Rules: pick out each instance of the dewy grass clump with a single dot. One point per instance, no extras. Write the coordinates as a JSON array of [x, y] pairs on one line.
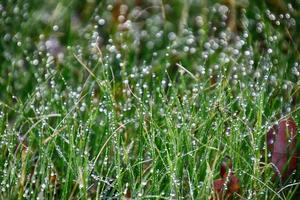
[[147, 99]]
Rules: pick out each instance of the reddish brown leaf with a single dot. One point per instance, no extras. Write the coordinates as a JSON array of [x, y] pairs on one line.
[[234, 184], [228, 184], [219, 184], [281, 143]]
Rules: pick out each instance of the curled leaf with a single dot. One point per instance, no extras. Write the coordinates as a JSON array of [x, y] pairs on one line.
[[228, 184], [281, 143]]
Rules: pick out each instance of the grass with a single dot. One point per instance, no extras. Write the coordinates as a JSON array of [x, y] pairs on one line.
[[144, 99]]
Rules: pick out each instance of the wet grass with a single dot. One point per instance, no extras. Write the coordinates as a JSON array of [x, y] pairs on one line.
[[144, 99]]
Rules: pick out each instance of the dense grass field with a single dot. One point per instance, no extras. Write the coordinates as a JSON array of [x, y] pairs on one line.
[[143, 99]]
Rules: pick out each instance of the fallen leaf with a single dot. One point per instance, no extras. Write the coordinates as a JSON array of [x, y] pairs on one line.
[[228, 184], [282, 144]]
